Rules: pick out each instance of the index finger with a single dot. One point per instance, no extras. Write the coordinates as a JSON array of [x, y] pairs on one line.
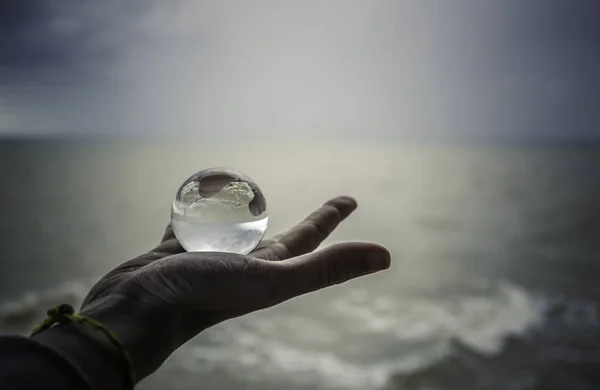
[[169, 234], [310, 233]]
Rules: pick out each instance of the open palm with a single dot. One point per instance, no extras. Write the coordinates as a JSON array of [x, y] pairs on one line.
[[171, 295]]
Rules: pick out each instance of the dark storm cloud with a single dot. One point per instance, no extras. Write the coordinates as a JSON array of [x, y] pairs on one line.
[[60, 36], [26, 37], [55, 59]]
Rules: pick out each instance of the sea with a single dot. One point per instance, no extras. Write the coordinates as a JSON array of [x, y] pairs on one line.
[[494, 283]]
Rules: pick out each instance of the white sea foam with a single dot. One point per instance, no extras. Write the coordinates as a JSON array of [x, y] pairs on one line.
[[480, 321], [252, 357], [317, 353]]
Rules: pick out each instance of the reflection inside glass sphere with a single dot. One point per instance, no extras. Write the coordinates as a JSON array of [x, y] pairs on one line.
[[220, 210]]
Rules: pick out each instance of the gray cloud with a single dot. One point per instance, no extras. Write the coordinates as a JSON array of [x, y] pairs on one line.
[[59, 36], [311, 68]]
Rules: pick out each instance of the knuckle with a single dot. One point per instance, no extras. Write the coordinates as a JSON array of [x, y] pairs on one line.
[[311, 234], [325, 220], [250, 267], [283, 250], [333, 213], [308, 228]]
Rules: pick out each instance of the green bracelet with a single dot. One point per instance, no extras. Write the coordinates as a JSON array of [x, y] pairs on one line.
[[63, 314]]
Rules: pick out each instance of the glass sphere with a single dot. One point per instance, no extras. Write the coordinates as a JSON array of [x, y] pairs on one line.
[[219, 210]]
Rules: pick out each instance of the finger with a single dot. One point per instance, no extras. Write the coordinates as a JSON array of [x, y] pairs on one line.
[[310, 233], [169, 233], [168, 247], [169, 244], [327, 267]]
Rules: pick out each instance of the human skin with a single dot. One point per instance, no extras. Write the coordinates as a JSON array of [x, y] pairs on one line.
[[158, 301]]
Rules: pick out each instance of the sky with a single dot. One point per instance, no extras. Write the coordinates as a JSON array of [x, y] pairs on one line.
[[282, 68]]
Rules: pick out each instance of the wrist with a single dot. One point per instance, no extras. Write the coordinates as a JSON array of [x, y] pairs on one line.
[[144, 333], [89, 351]]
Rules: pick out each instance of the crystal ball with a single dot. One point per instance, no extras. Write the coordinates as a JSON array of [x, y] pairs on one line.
[[219, 210]]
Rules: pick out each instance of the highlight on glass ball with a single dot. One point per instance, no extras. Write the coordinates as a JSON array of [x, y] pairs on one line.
[[219, 210]]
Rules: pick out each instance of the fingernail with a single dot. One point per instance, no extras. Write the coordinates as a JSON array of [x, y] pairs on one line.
[[379, 260]]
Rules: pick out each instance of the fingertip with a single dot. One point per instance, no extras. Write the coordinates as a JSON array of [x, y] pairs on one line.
[[379, 259], [345, 204], [357, 247], [373, 257]]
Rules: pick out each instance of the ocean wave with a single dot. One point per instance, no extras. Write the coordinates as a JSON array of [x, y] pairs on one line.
[[564, 353], [481, 321], [251, 357], [365, 340], [375, 342]]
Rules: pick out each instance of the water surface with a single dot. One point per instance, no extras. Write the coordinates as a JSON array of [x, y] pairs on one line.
[[494, 283]]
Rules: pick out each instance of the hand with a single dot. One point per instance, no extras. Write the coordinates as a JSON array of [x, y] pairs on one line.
[[160, 300]]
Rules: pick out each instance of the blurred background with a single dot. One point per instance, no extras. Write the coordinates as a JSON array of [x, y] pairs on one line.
[[468, 132]]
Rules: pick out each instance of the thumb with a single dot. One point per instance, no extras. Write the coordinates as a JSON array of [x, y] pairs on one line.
[[327, 267]]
